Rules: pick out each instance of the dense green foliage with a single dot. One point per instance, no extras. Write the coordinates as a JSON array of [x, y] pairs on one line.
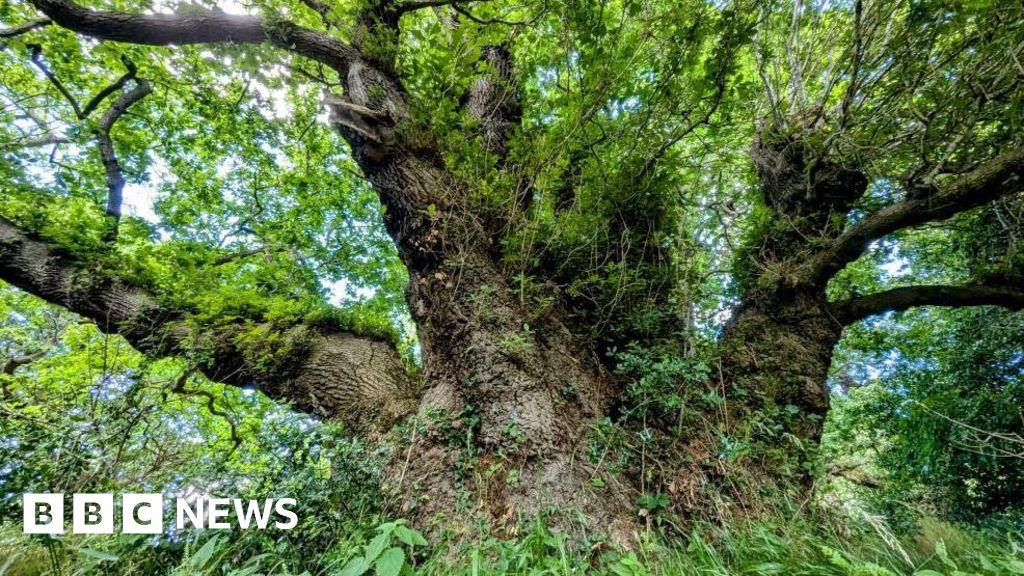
[[942, 416], [245, 206]]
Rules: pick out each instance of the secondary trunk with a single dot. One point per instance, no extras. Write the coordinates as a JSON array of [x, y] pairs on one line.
[[777, 348]]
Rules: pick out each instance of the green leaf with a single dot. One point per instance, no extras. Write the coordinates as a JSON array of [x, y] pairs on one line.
[[410, 536], [390, 562], [200, 558], [98, 554], [355, 567], [943, 554], [1013, 566], [377, 545], [7, 564]]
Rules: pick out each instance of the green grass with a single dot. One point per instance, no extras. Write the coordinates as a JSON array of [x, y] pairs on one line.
[[815, 545]]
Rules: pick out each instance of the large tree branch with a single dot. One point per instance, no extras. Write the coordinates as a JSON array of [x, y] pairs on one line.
[[326, 372], [895, 299], [200, 27], [1001, 176], [36, 141]]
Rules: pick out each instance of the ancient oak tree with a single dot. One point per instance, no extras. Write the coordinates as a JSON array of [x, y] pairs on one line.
[[558, 183]]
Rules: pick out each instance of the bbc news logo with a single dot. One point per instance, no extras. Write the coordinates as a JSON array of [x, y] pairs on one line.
[[144, 513]]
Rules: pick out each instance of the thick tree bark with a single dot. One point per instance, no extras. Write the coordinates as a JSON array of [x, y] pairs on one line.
[[508, 401], [328, 373], [778, 345], [493, 100]]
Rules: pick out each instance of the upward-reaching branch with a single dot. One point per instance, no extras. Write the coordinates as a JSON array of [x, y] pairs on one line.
[[111, 89], [200, 27], [37, 59], [111, 165], [1001, 176]]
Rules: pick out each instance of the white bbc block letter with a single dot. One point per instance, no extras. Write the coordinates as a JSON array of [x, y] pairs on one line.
[[42, 513], [142, 513], [219, 508], [92, 514], [184, 510], [282, 509]]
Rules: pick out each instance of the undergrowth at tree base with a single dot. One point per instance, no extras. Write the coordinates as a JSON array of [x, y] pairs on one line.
[[815, 542]]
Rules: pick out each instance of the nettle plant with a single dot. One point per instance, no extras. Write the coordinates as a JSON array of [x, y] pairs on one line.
[[391, 552]]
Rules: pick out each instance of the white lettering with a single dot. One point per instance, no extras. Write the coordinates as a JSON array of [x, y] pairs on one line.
[[285, 512], [245, 515]]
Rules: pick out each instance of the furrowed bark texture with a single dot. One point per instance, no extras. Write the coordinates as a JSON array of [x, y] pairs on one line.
[[778, 345], [330, 374], [493, 100], [506, 406]]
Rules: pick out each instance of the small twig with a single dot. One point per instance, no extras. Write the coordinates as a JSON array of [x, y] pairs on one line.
[[36, 141], [37, 59], [983, 438], [179, 387], [16, 362], [408, 457], [24, 28]]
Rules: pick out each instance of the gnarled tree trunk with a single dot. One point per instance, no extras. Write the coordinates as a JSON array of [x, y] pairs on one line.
[[507, 402], [778, 345], [506, 406]]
